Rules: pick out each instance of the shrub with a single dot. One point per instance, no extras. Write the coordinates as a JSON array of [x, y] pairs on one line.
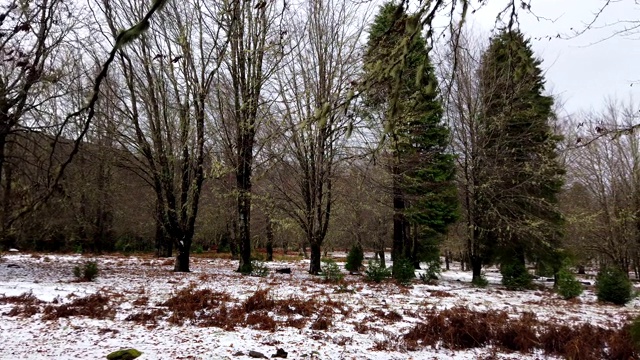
[[198, 249], [568, 286], [354, 258], [515, 276], [481, 281], [376, 272], [331, 271], [432, 272], [258, 268], [403, 271], [88, 271], [613, 285]]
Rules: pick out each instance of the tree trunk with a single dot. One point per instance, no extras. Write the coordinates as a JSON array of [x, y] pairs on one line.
[[476, 268], [6, 237], [182, 260], [316, 253], [447, 258], [399, 227], [269, 239], [381, 257], [244, 211]]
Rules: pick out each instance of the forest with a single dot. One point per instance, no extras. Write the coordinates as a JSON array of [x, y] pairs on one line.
[[261, 126], [322, 179]]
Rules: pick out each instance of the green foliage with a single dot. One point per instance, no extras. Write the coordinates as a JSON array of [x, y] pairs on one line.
[[87, 272], [128, 244], [376, 272], [568, 286], [613, 285], [331, 271], [519, 166], [544, 269], [480, 281], [198, 249], [246, 268], [403, 92], [355, 257], [403, 271], [432, 272], [515, 276], [259, 268]]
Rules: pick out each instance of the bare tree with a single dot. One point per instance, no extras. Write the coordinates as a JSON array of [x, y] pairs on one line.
[[604, 213], [459, 71], [166, 80], [256, 33], [39, 61], [314, 87]]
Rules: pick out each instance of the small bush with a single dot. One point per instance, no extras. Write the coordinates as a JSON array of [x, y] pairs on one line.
[[568, 286], [432, 272], [88, 271], [613, 285], [355, 258], [515, 276], [480, 282], [403, 271], [331, 271], [198, 249], [258, 268], [376, 272]]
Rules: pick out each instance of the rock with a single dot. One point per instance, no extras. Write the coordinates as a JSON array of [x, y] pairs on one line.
[[238, 353], [258, 355], [280, 353], [125, 354], [284, 271], [13, 250], [15, 266]]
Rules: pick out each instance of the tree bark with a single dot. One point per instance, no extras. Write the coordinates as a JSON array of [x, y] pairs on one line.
[[381, 257], [399, 227], [182, 260], [269, 239], [447, 258], [316, 253], [476, 267]]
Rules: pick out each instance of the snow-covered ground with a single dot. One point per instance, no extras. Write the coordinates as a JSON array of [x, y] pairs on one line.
[[366, 320]]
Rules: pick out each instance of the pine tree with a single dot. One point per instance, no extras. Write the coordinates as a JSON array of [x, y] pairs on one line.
[[520, 173], [402, 88]]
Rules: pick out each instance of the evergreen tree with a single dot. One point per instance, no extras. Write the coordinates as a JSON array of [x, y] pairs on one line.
[[402, 89], [520, 175]]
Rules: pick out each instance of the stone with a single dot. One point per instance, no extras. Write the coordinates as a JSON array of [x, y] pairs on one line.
[[125, 354], [15, 266], [257, 355], [284, 271], [13, 250], [280, 353]]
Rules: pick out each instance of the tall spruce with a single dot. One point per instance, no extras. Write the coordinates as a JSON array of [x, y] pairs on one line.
[[520, 174], [402, 91]]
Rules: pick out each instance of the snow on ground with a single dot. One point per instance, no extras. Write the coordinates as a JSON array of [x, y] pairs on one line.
[[50, 279]]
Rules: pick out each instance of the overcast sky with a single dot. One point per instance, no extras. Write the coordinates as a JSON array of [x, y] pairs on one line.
[[583, 70]]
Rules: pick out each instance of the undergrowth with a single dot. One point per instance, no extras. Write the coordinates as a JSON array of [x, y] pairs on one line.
[[460, 328]]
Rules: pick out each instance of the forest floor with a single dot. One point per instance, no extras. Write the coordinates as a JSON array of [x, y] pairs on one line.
[[216, 313]]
